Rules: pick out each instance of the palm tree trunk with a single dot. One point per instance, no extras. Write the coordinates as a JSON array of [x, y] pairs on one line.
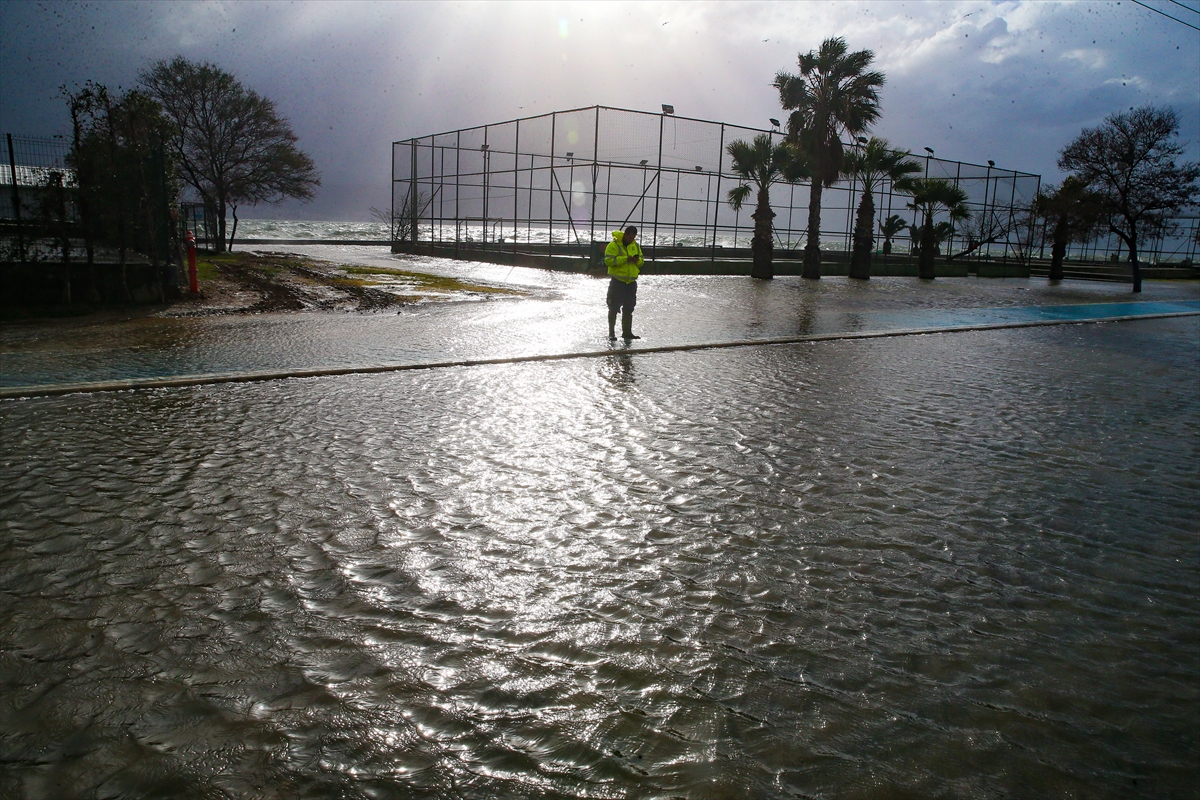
[[812, 248], [864, 240], [761, 245], [925, 261]]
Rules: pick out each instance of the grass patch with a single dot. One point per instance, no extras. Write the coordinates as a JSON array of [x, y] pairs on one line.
[[431, 282], [206, 270]]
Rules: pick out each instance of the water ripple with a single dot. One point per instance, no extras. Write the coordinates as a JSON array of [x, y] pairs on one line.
[[957, 565]]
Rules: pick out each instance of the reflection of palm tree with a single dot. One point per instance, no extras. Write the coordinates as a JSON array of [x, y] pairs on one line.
[[931, 196], [833, 95], [762, 163], [874, 164], [890, 228]]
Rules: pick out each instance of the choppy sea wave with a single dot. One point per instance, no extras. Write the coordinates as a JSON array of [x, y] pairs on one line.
[[377, 231], [310, 229]]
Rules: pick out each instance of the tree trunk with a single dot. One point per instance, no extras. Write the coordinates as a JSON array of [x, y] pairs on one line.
[[925, 261], [1135, 267], [762, 245], [812, 249], [864, 239], [887, 247], [1059, 249], [219, 245], [1130, 241], [234, 232]]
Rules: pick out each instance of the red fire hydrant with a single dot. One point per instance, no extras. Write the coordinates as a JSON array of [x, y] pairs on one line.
[[193, 276]]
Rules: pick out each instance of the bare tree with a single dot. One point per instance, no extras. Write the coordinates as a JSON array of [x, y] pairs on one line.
[[1130, 162], [232, 146]]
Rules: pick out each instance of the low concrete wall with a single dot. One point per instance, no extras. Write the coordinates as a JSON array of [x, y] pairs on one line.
[[726, 264], [1009, 270], [78, 283]]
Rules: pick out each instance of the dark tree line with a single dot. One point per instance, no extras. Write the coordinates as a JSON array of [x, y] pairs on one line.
[[134, 153], [125, 185], [1126, 176]]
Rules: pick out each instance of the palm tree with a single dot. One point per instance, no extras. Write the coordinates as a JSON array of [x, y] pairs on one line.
[[834, 94], [941, 232], [873, 165], [762, 163], [890, 228], [931, 196]]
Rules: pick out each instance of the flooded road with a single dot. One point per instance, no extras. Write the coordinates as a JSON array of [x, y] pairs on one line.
[[945, 565], [563, 313]]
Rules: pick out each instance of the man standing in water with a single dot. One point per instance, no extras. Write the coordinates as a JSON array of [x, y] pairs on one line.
[[623, 257]]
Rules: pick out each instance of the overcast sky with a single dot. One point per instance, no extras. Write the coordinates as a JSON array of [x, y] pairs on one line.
[[1008, 81]]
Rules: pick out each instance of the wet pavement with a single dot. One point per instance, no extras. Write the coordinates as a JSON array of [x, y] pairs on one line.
[[564, 313], [948, 565]]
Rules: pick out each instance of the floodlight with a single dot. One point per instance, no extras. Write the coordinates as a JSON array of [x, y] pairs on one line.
[[699, 169], [991, 163], [484, 148], [570, 155], [929, 150], [774, 122], [668, 109], [644, 161], [862, 139]]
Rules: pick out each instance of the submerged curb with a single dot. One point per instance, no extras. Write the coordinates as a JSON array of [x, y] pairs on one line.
[[19, 392]]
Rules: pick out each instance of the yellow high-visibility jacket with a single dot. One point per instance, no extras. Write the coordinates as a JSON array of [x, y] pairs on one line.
[[622, 261]]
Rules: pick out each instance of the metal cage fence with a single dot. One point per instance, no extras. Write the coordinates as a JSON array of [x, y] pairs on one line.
[[32, 160], [557, 182]]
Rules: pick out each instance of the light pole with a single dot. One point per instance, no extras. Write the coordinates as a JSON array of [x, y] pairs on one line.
[[642, 197], [985, 229], [571, 188], [484, 148]]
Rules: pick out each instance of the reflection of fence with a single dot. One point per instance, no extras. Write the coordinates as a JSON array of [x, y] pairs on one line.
[[201, 220], [553, 184]]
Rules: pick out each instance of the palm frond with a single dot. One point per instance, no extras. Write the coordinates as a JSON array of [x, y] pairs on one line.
[[738, 195]]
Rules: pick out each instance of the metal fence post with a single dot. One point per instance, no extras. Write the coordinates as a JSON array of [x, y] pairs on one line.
[[413, 194], [717, 207], [595, 178], [16, 199], [550, 187], [662, 118], [516, 180]]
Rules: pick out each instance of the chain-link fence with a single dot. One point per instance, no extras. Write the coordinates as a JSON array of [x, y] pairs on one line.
[[101, 235], [36, 185], [555, 183]]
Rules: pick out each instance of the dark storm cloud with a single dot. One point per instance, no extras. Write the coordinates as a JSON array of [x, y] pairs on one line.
[[1008, 81]]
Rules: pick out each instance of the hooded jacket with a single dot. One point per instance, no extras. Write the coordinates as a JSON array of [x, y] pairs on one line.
[[623, 262]]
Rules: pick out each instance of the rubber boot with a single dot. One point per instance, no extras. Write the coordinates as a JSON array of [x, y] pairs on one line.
[[627, 326], [612, 324]]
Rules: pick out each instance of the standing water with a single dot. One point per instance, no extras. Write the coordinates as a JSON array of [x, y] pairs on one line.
[[960, 564]]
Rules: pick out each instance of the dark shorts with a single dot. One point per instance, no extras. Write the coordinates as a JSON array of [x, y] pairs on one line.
[[621, 295]]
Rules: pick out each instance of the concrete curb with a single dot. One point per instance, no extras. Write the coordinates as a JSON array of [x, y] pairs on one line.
[[52, 390]]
